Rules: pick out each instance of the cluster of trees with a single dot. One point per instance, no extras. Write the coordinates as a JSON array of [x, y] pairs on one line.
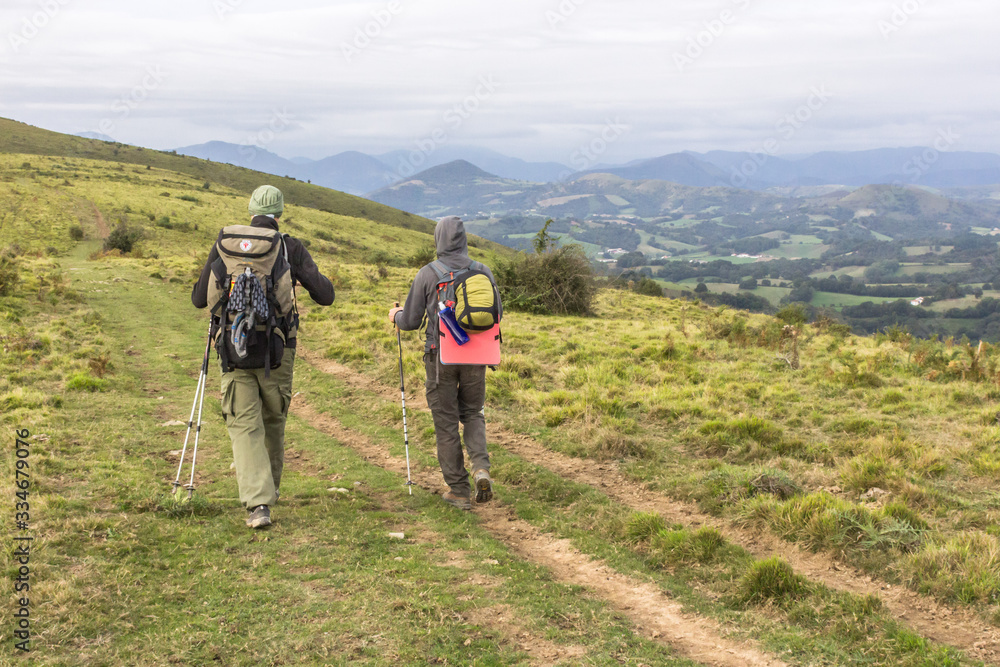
[[755, 245], [980, 322]]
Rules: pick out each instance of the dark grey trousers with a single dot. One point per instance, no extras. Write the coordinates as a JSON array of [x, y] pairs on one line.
[[457, 395]]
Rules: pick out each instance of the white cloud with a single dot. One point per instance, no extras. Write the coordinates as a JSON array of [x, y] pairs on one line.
[[224, 77]]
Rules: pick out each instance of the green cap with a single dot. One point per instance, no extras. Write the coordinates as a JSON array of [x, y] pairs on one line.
[[267, 200]]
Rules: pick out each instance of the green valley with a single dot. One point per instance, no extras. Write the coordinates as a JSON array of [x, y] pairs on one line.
[[677, 483]]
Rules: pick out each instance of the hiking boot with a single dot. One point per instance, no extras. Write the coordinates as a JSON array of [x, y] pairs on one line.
[[461, 502], [484, 486], [260, 517]]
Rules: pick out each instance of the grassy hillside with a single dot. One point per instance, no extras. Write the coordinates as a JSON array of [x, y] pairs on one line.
[[18, 137], [676, 485]]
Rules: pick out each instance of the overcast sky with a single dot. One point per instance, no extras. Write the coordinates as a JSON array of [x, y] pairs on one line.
[[536, 79]]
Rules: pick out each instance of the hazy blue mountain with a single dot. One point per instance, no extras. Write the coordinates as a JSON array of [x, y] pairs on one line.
[[360, 173], [96, 135], [251, 157], [756, 171], [351, 172], [406, 163], [682, 168], [912, 166]]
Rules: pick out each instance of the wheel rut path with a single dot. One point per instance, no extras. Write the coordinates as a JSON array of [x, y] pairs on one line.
[[959, 628], [656, 617]]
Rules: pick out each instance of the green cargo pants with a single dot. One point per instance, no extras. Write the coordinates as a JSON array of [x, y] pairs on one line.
[[255, 409]]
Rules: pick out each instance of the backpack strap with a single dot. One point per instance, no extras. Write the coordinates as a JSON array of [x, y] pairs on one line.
[[441, 269], [272, 302], [445, 274], [291, 321]]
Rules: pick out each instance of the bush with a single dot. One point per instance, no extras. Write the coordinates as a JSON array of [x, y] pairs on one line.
[[10, 272], [123, 237], [649, 287], [681, 546], [794, 315], [76, 233], [380, 258], [84, 381], [643, 525], [771, 579], [421, 257], [555, 282]]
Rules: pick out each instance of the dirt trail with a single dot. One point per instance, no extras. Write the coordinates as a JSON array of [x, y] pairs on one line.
[[88, 212], [958, 628], [656, 617], [102, 226], [542, 652]]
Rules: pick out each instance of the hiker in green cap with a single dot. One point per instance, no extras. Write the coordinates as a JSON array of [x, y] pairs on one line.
[[456, 394], [249, 283]]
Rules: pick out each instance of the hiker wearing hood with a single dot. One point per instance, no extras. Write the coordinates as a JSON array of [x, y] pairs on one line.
[[456, 394], [256, 396]]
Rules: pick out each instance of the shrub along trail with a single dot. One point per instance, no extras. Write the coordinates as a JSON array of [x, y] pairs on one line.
[[954, 627], [655, 616]]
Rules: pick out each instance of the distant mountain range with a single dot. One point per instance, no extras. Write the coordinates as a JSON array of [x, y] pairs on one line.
[[904, 166], [359, 173], [95, 135], [461, 188], [910, 166], [351, 172]]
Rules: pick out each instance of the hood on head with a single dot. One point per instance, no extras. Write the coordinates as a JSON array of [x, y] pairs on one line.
[[449, 236]]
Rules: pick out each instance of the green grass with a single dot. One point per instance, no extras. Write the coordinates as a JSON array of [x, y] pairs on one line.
[[965, 302], [685, 563], [19, 138], [99, 351], [112, 543]]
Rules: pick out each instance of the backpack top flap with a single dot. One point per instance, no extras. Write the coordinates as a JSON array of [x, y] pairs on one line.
[[260, 250], [249, 244]]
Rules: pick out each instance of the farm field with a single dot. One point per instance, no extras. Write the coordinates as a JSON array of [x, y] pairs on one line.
[[676, 484]]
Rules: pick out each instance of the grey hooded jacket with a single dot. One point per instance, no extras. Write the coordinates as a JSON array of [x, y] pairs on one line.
[[452, 250]]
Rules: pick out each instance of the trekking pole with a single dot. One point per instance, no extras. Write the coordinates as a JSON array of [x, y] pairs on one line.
[[199, 398], [402, 393]]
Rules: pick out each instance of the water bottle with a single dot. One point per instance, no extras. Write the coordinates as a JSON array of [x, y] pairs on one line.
[[446, 314]]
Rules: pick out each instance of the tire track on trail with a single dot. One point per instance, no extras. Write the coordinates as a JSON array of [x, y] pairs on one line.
[[542, 652], [655, 616], [958, 628]]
